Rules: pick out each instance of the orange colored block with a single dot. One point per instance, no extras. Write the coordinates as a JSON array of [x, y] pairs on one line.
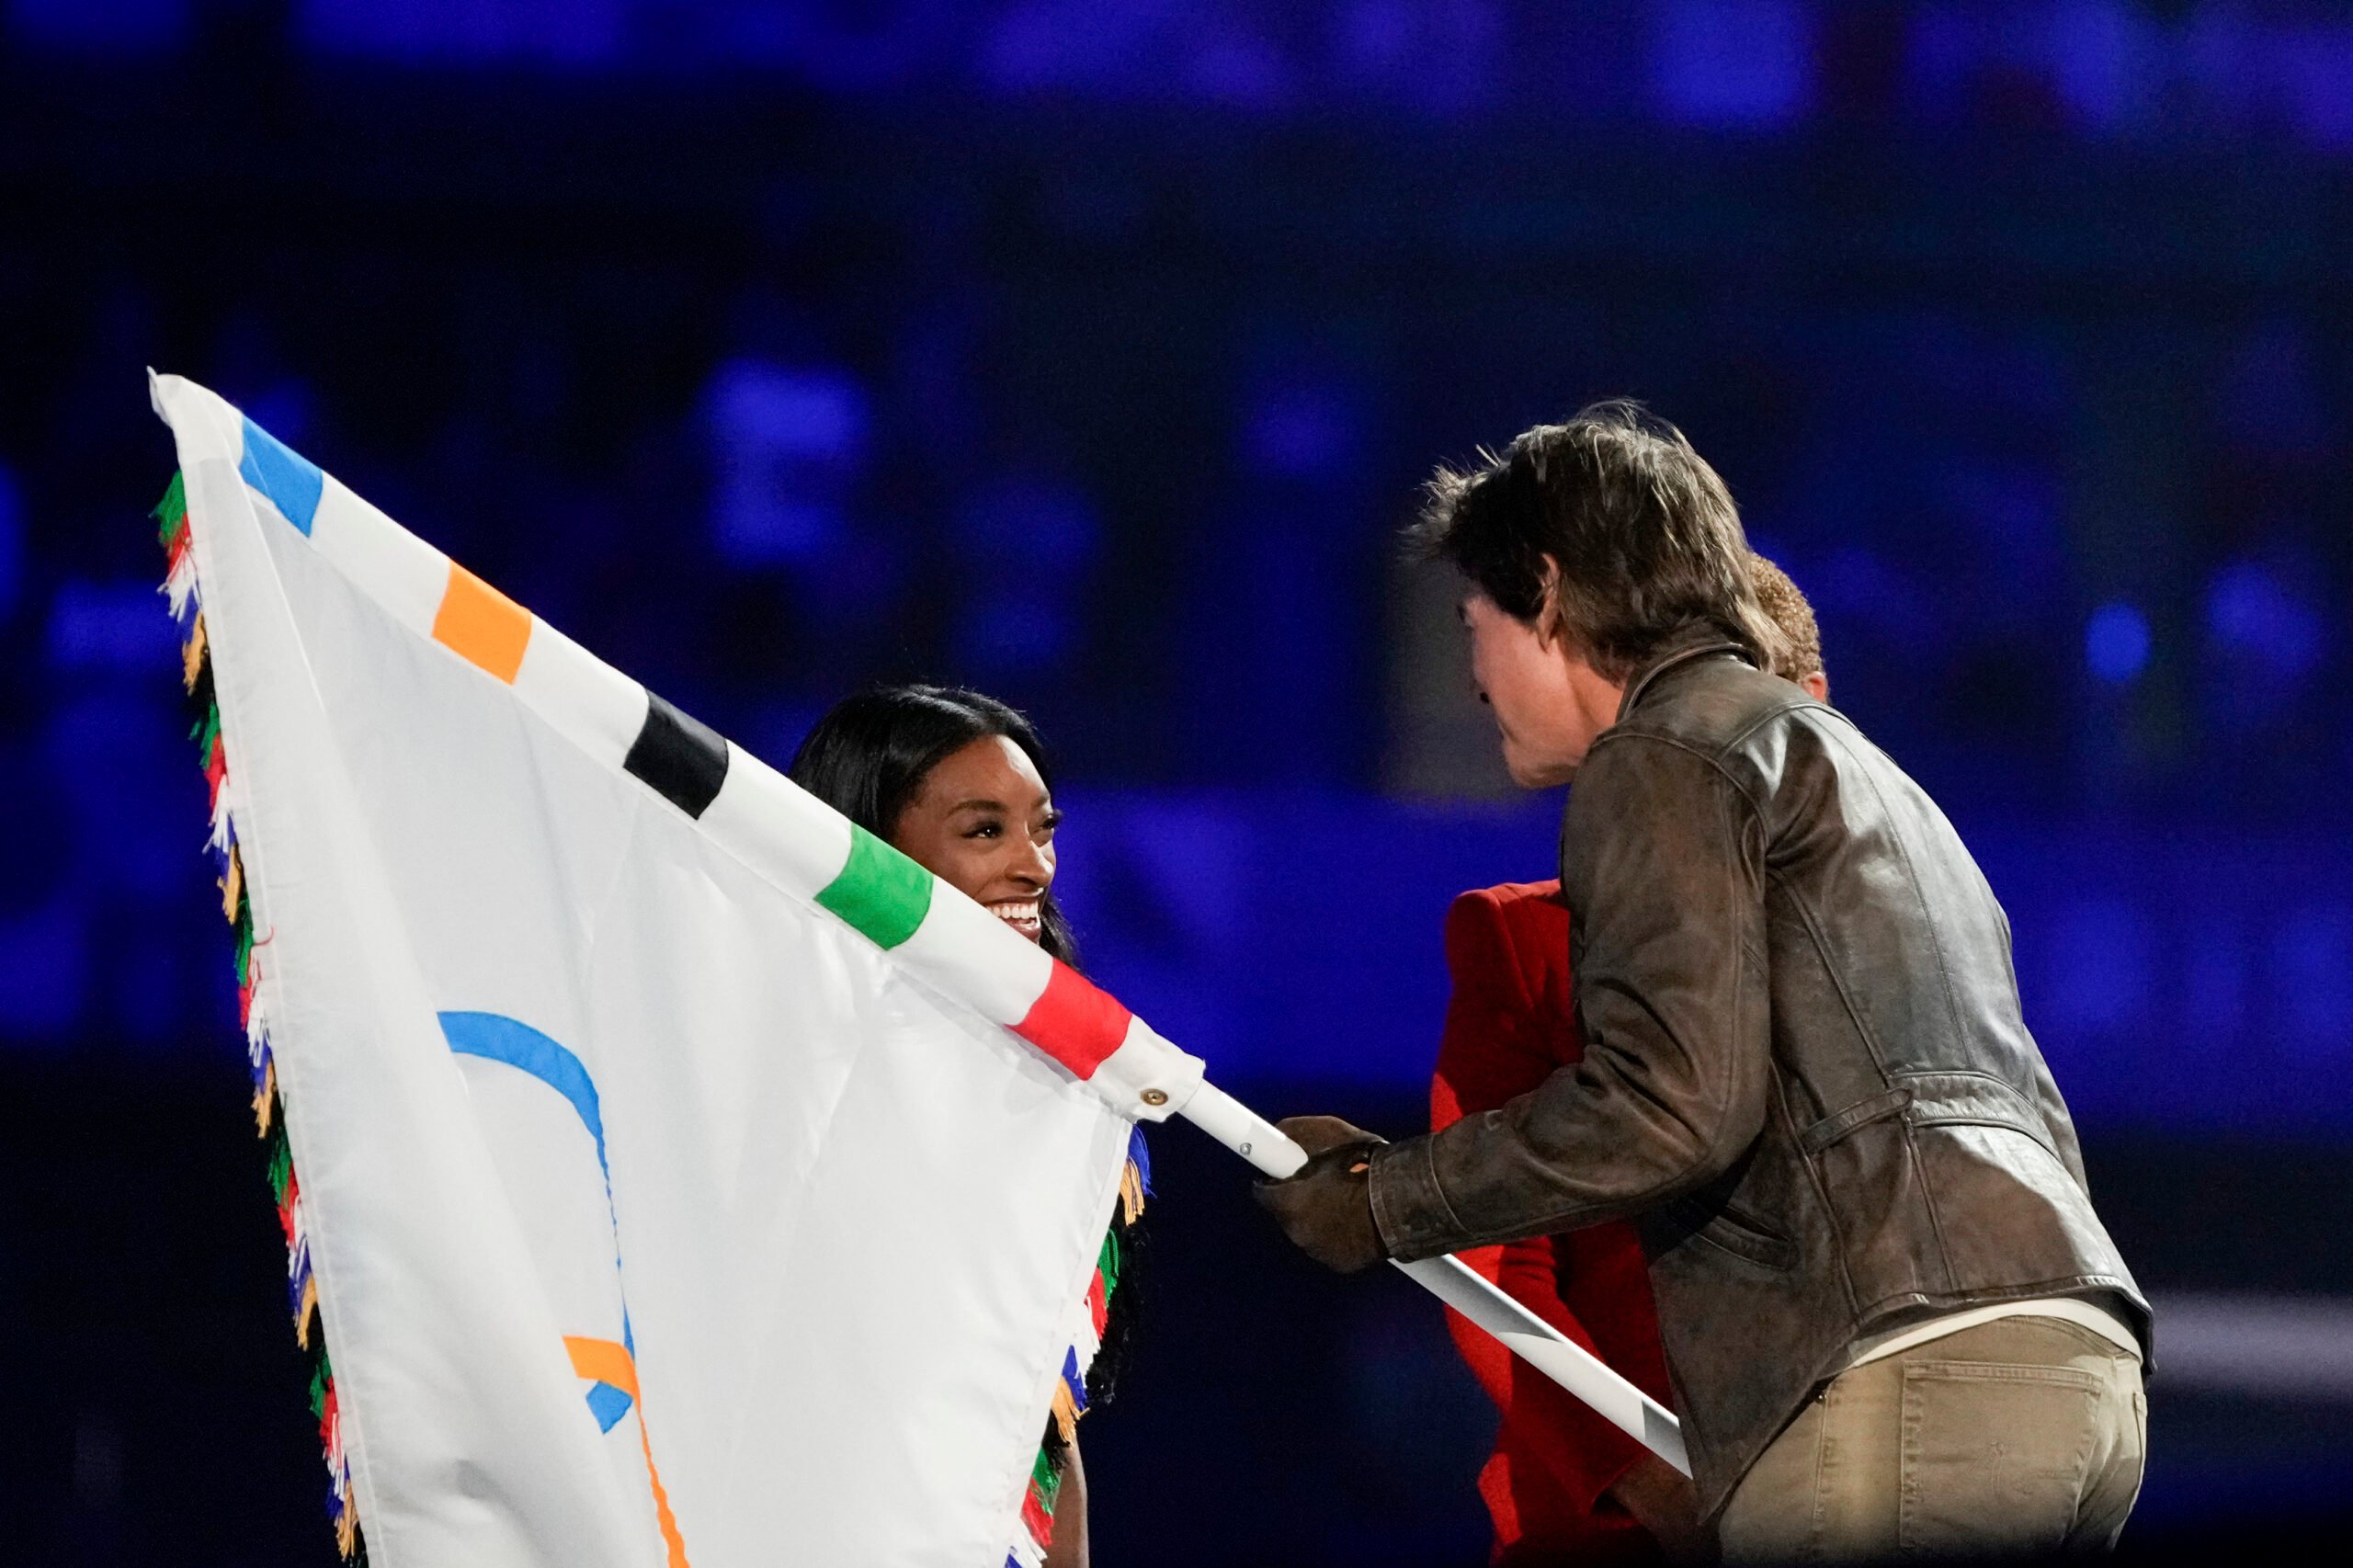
[[482, 625], [603, 1361], [606, 1362]]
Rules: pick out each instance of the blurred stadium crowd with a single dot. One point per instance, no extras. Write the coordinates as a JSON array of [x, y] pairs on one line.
[[966, 342]]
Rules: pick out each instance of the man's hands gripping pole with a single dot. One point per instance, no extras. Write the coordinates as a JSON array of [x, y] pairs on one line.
[[1326, 1208]]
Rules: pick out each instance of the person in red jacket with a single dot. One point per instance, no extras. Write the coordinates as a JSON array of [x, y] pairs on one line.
[[1564, 1485]]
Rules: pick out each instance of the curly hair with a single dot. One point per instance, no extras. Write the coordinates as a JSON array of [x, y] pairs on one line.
[[1781, 599]]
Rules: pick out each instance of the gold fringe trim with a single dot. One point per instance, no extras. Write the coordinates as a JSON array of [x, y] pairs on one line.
[[1131, 1192], [192, 656], [232, 887]]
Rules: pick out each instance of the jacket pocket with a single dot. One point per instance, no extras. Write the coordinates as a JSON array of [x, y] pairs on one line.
[[1974, 1099], [1933, 1099], [1862, 1113], [1727, 1229]]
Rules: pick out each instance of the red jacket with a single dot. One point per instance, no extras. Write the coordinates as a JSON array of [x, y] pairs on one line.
[[1509, 1024]]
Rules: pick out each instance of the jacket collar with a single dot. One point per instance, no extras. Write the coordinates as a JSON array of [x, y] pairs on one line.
[[1694, 642]]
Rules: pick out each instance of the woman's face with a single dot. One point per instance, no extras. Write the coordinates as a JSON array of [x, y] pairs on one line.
[[984, 822]]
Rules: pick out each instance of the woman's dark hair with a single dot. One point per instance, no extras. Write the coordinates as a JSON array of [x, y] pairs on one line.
[[1643, 533], [869, 756]]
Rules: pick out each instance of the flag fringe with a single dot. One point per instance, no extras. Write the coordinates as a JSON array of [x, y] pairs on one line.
[[1098, 1354], [301, 1288]]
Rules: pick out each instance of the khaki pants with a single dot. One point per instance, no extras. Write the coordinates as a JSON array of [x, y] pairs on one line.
[[2020, 1436]]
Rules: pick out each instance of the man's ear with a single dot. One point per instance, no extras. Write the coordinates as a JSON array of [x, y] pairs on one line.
[[1547, 605], [1816, 684]]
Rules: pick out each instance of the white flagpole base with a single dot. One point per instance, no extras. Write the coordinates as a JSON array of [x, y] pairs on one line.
[[1453, 1281], [1244, 1131], [1555, 1354]]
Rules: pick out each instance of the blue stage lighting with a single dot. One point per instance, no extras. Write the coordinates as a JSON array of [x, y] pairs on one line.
[[2116, 643]]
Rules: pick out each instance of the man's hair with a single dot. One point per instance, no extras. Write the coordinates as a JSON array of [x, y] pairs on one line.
[[1646, 537], [1786, 604]]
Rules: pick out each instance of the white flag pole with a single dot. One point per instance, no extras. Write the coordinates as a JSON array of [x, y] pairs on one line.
[[1454, 1282]]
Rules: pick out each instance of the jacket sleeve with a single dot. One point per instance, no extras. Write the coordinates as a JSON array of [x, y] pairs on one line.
[[1663, 865]]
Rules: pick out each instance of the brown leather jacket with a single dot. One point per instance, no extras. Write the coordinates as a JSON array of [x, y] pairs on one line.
[[1806, 1068]]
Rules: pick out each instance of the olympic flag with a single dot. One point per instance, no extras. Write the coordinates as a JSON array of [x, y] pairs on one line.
[[675, 1173]]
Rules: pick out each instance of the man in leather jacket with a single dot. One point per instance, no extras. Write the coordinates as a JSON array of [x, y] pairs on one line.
[[1893, 1319]]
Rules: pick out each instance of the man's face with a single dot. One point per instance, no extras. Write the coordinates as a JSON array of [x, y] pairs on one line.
[[1549, 703]]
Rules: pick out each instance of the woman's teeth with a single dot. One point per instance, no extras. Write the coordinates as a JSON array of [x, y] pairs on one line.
[[1022, 917]]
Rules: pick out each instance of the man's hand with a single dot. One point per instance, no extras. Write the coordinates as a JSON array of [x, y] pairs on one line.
[[1664, 1502], [1326, 1208]]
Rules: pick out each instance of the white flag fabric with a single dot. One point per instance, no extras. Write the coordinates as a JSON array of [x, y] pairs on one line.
[[678, 1174]]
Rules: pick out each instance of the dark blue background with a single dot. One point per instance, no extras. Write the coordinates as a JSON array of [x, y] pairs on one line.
[[1091, 353]]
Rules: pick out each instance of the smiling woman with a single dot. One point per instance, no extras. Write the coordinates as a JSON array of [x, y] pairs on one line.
[[957, 782], [984, 819]]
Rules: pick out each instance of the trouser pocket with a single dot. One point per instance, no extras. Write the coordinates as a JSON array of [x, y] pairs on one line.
[[1994, 1457]]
